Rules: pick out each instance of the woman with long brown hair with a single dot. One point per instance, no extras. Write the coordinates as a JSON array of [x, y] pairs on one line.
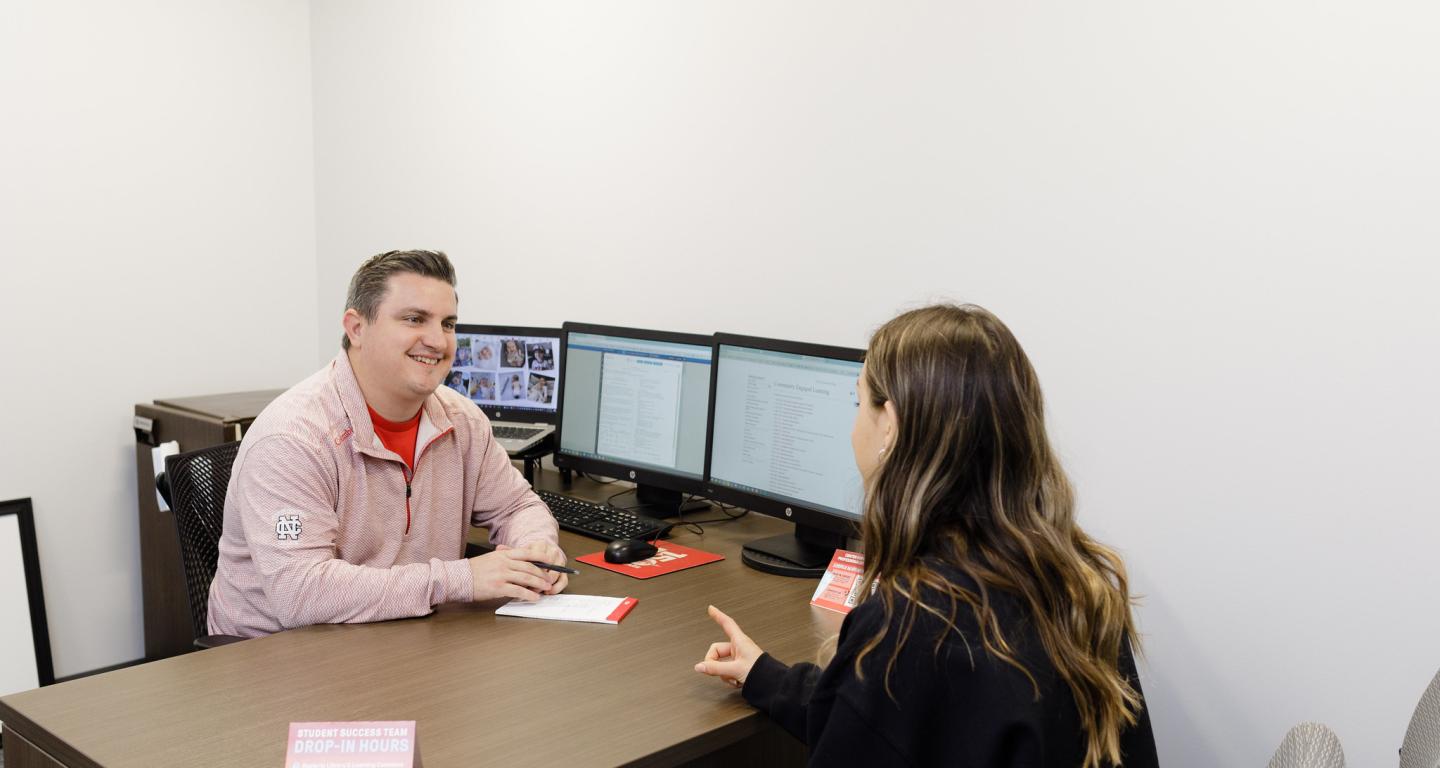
[[991, 630]]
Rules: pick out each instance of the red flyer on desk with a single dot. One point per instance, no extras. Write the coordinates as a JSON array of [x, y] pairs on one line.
[[670, 558], [840, 586], [374, 743]]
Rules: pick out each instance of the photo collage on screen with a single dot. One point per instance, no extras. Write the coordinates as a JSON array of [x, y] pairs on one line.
[[513, 371]]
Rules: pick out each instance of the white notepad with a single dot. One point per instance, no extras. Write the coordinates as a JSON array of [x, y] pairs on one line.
[[593, 608]]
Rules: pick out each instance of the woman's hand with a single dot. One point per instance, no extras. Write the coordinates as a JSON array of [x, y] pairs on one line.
[[730, 661]]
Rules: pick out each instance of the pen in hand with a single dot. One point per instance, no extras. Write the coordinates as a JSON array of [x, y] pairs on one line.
[[551, 567]]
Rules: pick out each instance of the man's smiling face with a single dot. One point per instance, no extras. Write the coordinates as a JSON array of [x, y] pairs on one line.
[[403, 355]]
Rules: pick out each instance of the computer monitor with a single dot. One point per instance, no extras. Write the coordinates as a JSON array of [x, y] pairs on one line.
[[635, 406], [511, 372], [780, 444]]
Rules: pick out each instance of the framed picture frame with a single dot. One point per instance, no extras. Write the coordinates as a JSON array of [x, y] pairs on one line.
[[25, 660]]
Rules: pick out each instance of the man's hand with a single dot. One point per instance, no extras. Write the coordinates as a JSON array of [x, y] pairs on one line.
[[730, 661], [507, 572], [543, 552]]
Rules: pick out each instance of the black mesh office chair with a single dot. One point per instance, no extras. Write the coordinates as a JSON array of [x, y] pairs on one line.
[[197, 482]]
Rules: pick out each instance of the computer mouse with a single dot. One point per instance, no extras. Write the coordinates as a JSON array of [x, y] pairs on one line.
[[629, 550]]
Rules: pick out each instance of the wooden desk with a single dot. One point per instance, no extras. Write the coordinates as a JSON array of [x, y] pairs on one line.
[[483, 689]]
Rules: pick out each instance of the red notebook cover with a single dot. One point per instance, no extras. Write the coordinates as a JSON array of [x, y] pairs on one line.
[[670, 558], [621, 609]]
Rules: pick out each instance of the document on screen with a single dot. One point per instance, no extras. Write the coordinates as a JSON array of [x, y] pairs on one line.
[[787, 431], [639, 408]]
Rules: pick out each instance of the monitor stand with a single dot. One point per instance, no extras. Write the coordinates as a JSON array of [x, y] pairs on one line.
[[803, 554], [659, 502]]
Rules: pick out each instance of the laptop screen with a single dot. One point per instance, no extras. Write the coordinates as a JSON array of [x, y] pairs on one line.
[[510, 372]]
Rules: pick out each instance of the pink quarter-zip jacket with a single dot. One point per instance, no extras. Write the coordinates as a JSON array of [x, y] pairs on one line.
[[315, 514]]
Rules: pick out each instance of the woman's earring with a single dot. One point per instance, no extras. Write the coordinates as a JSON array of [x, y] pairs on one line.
[[882, 451]]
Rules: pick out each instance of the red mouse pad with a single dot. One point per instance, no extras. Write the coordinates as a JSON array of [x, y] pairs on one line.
[[670, 558]]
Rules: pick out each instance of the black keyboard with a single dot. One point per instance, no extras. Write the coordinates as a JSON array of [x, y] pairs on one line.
[[514, 433], [599, 521]]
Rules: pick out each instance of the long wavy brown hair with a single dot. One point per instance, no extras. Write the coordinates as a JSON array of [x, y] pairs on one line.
[[971, 480]]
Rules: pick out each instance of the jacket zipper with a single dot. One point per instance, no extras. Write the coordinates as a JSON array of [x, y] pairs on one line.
[[410, 474]]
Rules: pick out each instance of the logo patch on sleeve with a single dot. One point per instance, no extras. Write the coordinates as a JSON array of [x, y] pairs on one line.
[[287, 527]]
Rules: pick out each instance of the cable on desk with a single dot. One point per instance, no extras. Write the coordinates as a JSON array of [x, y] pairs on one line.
[[697, 526], [610, 500], [694, 526]]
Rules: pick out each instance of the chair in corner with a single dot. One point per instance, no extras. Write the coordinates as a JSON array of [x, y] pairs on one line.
[[196, 483], [1309, 745], [1421, 748]]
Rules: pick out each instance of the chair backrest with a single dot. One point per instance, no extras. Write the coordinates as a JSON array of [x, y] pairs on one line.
[[1309, 745], [198, 481], [1422, 739]]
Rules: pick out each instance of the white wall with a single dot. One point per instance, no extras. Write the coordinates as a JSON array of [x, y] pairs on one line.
[[157, 238], [1212, 225]]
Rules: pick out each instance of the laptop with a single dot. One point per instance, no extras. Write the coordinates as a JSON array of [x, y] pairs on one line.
[[513, 374]]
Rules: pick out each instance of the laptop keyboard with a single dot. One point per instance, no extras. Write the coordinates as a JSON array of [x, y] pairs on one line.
[[599, 521], [515, 433]]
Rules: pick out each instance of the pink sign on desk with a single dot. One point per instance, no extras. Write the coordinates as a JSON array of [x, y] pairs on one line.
[[366, 744], [839, 588]]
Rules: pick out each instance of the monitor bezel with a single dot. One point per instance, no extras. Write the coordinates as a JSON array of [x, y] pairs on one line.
[[505, 413], [641, 475], [789, 511]]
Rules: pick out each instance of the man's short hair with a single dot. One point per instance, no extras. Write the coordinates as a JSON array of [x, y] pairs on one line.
[[372, 279]]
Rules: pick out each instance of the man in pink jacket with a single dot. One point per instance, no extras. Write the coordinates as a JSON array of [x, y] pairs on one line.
[[352, 493]]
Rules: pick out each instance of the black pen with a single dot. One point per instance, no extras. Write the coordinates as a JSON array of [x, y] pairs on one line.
[[549, 567]]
